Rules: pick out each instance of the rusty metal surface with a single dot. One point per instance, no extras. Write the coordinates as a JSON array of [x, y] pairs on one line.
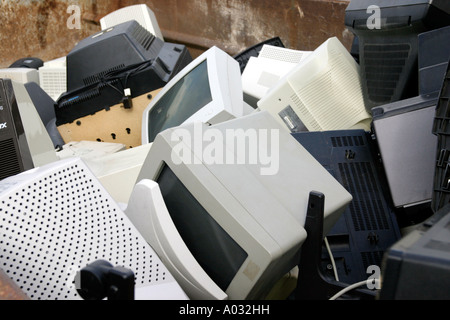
[[39, 28]]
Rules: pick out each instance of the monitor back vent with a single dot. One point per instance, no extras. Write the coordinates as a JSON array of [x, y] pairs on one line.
[[383, 67], [9, 158], [96, 77], [143, 36], [58, 223], [347, 141], [372, 258], [366, 207]]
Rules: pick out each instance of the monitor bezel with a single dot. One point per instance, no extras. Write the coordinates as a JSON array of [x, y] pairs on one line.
[[225, 83]]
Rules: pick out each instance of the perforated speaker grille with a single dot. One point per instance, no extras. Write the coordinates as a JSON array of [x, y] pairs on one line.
[[58, 222]]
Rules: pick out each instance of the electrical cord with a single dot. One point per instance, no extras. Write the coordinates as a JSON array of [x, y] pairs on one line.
[[110, 76], [351, 287]]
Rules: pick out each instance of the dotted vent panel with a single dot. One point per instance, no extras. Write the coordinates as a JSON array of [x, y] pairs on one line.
[[63, 220]]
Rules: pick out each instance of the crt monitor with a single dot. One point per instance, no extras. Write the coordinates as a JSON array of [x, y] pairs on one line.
[[53, 77], [58, 218], [387, 32], [231, 224], [115, 48], [323, 92], [99, 77], [208, 89], [139, 12], [263, 72]]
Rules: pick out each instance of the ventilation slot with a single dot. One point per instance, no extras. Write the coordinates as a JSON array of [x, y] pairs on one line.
[[366, 208], [143, 37], [96, 77], [383, 68], [372, 258], [9, 158], [347, 141]]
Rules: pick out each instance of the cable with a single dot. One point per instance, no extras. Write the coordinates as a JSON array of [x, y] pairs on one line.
[[333, 263], [351, 287]]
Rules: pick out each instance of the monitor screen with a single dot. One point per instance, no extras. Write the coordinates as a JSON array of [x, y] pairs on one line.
[[186, 97], [213, 248]]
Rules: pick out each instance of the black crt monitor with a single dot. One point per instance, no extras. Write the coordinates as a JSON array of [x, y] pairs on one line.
[[387, 32], [368, 226], [417, 267], [114, 48], [114, 66]]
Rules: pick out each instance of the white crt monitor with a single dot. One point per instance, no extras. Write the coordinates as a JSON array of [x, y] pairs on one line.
[[53, 77], [323, 92], [58, 218], [263, 72], [139, 12], [209, 89], [230, 228]]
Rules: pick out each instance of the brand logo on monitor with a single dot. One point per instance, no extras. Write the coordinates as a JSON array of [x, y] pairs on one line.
[[237, 146]]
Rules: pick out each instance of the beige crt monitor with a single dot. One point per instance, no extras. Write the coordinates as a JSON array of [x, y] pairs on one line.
[[323, 92], [232, 221], [263, 72]]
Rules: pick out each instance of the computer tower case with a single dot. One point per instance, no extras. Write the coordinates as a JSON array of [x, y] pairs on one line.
[[15, 155]]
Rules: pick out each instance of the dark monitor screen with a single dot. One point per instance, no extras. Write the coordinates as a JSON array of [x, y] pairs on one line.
[[213, 248], [181, 101]]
